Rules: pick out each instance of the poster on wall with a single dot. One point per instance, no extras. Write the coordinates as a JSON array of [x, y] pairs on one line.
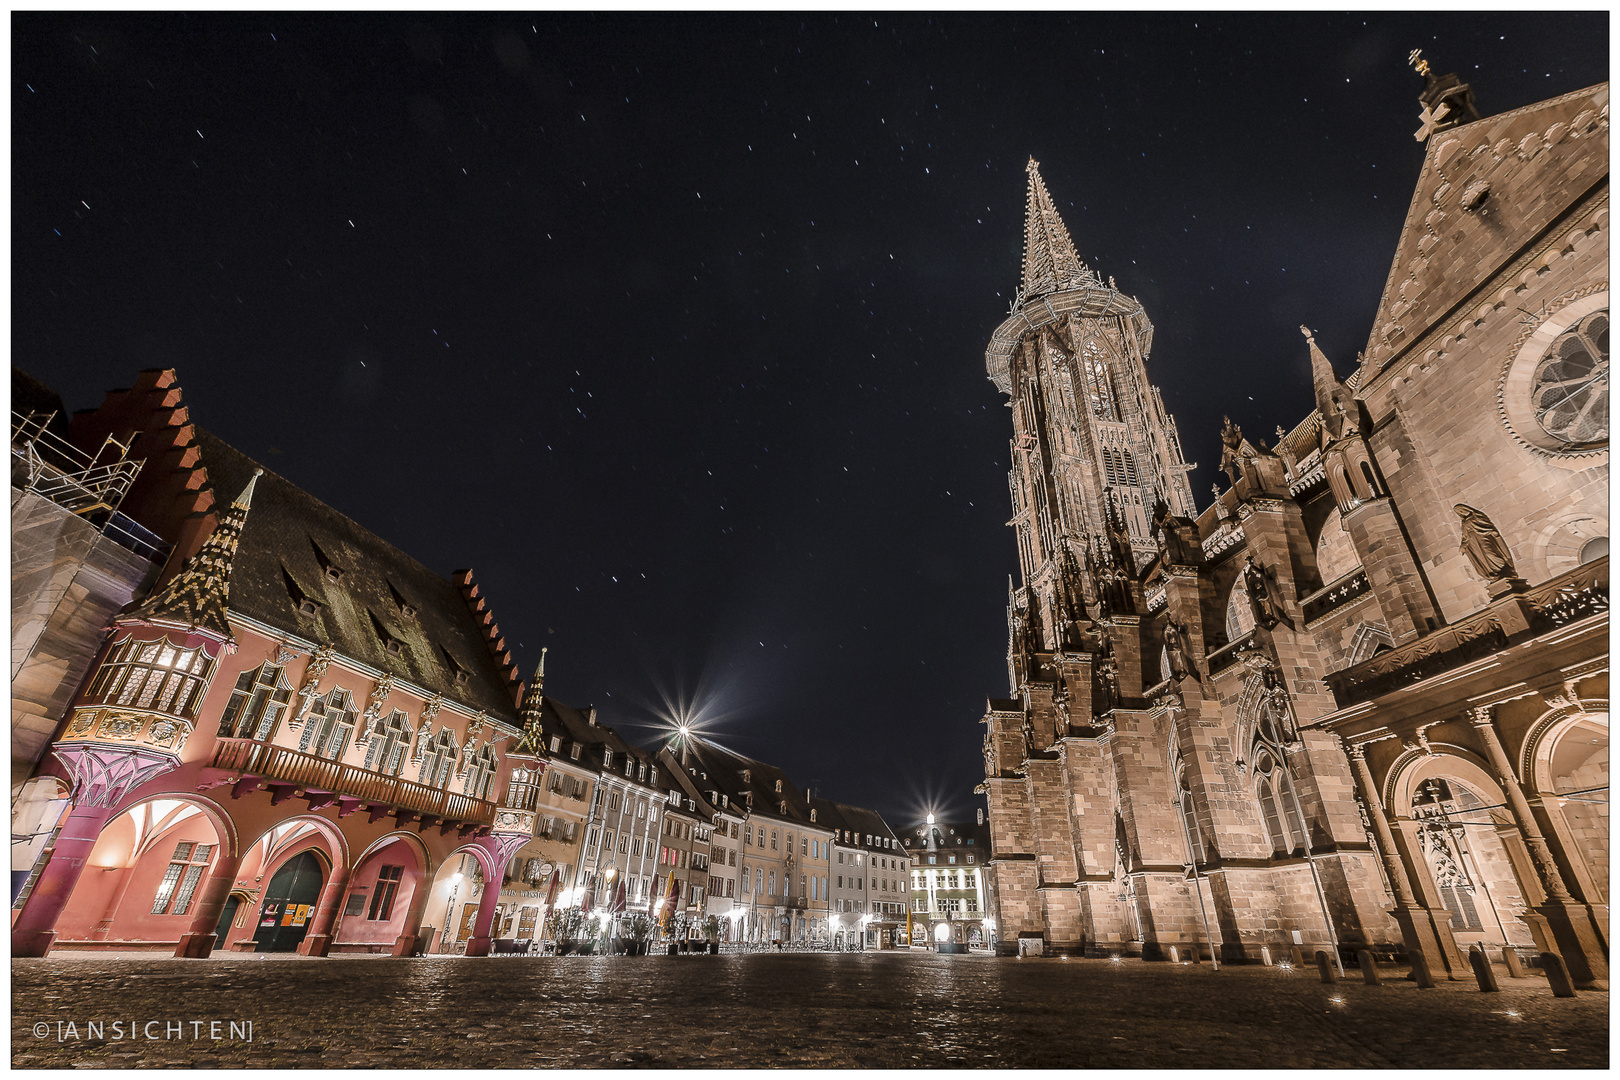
[[301, 914], [269, 916]]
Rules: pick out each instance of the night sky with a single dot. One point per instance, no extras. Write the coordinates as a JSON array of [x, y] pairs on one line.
[[672, 327]]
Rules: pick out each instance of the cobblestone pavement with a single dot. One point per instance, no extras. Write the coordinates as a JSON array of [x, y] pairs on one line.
[[868, 1010]]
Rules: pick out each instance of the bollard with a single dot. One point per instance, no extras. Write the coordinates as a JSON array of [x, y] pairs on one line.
[[1369, 966], [1557, 975], [1420, 971], [1510, 957], [1324, 967], [1482, 971], [1298, 954], [1265, 956], [1175, 957]]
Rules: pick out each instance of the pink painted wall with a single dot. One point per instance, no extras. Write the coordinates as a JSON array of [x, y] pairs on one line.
[[358, 929], [133, 920]]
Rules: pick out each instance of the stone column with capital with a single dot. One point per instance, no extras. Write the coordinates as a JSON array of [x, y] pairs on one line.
[[496, 850], [102, 776], [1426, 931], [198, 942], [1569, 921]]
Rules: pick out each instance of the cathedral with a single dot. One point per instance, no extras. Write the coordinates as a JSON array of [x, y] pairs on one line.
[[1360, 701]]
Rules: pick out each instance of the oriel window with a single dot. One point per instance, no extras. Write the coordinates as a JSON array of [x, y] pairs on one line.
[[153, 675]]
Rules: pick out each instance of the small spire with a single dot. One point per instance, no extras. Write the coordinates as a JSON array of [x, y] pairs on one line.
[[1050, 262], [532, 709], [199, 594], [1333, 399]]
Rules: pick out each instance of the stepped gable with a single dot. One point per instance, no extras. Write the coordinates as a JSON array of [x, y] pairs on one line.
[[1487, 189], [172, 495], [484, 616], [294, 547]]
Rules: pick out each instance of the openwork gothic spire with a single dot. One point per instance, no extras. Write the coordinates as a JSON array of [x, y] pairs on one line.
[[1050, 262], [198, 595]]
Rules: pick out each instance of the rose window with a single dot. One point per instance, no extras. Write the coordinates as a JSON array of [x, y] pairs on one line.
[[1570, 388]]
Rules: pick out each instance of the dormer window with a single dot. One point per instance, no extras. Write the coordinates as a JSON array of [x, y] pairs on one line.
[[607, 759], [308, 607], [333, 574], [556, 744], [641, 771], [779, 787], [393, 645], [461, 678], [747, 775], [783, 811], [812, 815], [574, 751]]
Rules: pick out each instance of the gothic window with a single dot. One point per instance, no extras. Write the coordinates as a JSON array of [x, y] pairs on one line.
[[1239, 613], [1274, 791], [387, 753], [438, 761], [153, 675], [256, 705], [329, 725], [1098, 393], [1443, 842], [1570, 387], [480, 773], [179, 882]]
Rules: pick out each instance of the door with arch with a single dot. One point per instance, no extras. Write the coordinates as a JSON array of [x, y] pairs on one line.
[[288, 903]]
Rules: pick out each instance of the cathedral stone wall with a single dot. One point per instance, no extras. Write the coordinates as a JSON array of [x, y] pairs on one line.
[[1177, 678]]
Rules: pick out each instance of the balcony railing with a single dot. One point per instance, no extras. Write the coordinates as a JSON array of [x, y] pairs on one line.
[[319, 776]]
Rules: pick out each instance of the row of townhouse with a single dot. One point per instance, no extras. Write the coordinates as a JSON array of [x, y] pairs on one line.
[[254, 725]]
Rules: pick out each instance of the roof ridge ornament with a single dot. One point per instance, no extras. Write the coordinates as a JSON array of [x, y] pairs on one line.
[[1050, 262], [1447, 101], [198, 595]]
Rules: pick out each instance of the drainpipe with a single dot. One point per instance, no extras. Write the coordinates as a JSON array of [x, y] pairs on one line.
[[1316, 877]]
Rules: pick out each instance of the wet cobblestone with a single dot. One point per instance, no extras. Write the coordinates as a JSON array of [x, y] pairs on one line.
[[865, 1010]]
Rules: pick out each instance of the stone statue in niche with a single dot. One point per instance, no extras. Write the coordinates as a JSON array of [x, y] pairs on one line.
[[1483, 544], [1260, 583], [1175, 647]]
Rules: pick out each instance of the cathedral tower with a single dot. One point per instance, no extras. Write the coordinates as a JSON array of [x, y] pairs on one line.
[[1148, 785], [1093, 450]]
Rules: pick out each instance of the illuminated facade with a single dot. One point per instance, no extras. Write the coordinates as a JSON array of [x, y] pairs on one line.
[[1361, 700]]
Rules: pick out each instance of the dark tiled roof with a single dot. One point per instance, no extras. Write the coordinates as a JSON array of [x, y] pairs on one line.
[[29, 395], [858, 821], [950, 836], [725, 769], [288, 536], [573, 726]]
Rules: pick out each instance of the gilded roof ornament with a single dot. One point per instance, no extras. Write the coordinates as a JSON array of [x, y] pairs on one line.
[[198, 596]]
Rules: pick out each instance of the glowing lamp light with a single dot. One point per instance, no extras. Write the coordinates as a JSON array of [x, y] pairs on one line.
[[942, 933], [455, 878], [930, 819], [612, 872]]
